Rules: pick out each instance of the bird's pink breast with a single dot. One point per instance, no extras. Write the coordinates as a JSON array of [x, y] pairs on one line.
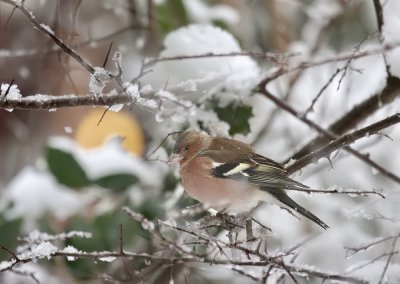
[[218, 193]]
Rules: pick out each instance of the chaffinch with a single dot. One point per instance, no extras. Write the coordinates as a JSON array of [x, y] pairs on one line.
[[226, 174]]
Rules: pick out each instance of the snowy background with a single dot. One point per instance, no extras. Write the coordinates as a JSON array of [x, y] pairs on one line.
[[66, 173]]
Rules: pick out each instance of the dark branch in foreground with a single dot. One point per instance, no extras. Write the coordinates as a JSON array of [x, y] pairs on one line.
[[326, 133], [357, 114], [345, 140], [39, 102]]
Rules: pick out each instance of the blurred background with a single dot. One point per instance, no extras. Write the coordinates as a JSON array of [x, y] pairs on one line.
[[75, 168]]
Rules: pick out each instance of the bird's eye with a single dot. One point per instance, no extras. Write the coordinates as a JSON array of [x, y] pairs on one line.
[[187, 147]]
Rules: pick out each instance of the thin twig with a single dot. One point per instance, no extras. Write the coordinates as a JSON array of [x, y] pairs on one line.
[[10, 252], [316, 98], [333, 59], [272, 56], [353, 250], [107, 54], [51, 34], [388, 260], [380, 21], [55, 48], [162, 142], [338, 191]]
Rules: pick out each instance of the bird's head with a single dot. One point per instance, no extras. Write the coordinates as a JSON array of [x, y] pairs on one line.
[[188, 145]]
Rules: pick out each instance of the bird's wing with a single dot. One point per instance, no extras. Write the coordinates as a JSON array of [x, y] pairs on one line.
[[224, 150], [270, 176], [257, 170]]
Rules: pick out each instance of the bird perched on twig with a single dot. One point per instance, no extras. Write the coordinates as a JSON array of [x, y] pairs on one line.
[[228, 175]]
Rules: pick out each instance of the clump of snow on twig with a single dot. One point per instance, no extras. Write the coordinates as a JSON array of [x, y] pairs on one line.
[[6, 264], [38, 251], [47, 28], [204, 14], [237, 74], [139, 96], [70, 249], [37, 236], [98, 80], [107, 258], [13, 92]]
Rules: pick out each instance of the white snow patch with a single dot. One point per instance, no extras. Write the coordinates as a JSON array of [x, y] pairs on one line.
[[13, 92], [47, 28], [107, 258], [237, 74], [33, 193], [38, 251], [19, 275], [203, 14], [70, 249], [6, 264], [37, 236], [24, 72], [68, 129], [98, 80], [116, 108], [109, 159]]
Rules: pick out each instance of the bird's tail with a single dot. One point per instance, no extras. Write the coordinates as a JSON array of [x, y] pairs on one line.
[[281, 195]]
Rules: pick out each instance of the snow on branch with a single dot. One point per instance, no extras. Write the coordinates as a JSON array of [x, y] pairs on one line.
[[36, 246]]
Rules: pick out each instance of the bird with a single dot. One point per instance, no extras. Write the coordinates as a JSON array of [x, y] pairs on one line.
[[228, 175]]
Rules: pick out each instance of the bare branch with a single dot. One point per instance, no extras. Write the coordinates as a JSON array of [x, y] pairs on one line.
[[339, 191], [334, 59], [380, 21], [42, 28], [274, 57], [55, 48], [392, 252], [316, 98], [353, 250]]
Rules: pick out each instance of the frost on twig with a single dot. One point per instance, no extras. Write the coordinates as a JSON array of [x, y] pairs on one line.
[[37, 237], [98, 80], [38, 245]]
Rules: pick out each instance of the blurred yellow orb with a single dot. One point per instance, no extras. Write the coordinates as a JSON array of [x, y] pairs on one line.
[[90, 135]]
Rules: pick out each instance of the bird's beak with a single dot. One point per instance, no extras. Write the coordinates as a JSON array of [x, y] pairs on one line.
[[174, 160]]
